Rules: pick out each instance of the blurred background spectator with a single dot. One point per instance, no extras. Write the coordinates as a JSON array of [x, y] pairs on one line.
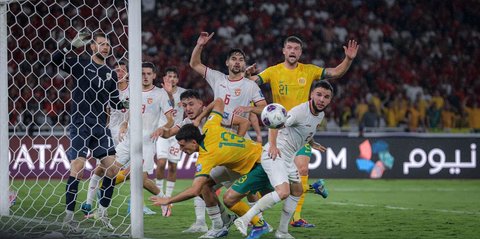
[[417, 68]]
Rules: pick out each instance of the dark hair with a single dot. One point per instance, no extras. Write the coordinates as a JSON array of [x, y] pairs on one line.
[[121, 63], [294, 39], [189, 132], [150, 65], [171, 69], [190, 94], [323, 84], [99, 34], [234, 51]]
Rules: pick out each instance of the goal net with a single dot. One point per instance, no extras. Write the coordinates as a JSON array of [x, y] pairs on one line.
[[39, 103]]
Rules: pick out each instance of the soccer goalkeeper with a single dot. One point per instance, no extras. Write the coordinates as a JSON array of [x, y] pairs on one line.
[[94, 88]]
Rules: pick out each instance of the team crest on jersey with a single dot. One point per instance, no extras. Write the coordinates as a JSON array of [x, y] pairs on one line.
[[238, 91], [199, 168], [302, 81], [150, 100]]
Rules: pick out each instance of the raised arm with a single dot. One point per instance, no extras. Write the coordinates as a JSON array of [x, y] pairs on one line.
[[195, 59], [350, 53]]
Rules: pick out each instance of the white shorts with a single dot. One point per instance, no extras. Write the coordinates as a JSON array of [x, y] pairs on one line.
[[115, 133], [224, 176], [123, 154], [168, 149], [280, 170]]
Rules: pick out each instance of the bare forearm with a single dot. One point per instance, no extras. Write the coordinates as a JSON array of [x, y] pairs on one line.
[[339, 71]]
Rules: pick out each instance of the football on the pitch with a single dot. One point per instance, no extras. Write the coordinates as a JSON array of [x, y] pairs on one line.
[[274, 116]]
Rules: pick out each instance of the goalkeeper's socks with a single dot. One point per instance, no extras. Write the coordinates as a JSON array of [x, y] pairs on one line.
[[288, 208], [71, 193], [106, 191]]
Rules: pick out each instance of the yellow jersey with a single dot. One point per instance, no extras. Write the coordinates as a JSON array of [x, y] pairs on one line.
[[221, 147], [291, 87]]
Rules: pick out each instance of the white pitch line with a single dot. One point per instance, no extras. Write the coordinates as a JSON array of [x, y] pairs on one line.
[[403, 208]]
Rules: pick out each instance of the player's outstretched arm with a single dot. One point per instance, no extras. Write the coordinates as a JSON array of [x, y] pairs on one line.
[[350, 53], [273, 151], [256, 126], [242, 123], [195, 59], [191, 192]]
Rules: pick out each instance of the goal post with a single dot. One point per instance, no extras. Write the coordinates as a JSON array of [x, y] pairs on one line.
[[4, 163], [136, 178], [35, 103]]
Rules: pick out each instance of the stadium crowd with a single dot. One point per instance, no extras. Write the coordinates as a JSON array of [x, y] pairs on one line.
[[416, 69]]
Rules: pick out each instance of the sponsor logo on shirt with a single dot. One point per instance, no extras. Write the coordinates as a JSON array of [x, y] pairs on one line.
[[93, 71]]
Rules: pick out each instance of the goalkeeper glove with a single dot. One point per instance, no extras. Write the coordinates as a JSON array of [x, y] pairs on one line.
[[80, 40]]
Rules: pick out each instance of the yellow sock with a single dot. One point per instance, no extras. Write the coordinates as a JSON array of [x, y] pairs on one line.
[[298, 210], [241, 208], [120, 177]]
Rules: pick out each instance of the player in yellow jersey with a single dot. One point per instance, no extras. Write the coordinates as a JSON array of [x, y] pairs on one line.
[[290, 82], [217, 147]]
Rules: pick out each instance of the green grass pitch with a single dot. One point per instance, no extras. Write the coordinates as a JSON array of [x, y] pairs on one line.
[[354, 209]]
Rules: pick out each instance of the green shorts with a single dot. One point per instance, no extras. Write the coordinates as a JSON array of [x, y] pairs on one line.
[[254, 181], [305, 150]]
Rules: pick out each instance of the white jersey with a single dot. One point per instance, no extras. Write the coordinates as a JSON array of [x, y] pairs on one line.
[[154, 105], [234, 93], [118, 116], [177, 108], [189, 121], [300, 128]]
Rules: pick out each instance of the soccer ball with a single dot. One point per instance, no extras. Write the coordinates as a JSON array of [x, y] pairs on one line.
[[274, 116]]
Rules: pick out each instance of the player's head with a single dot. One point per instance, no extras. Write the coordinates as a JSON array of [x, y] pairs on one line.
[[100, 45], [191, 103], [292, 49], [236, 61], [321, 95], [148, 74], [189, 138], [121, 69], [171, 74]]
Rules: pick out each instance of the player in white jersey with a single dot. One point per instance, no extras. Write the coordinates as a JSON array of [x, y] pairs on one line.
[[168, 149], [237, 94], [279, 153], [155, 102], [236, 91], [116, 118]]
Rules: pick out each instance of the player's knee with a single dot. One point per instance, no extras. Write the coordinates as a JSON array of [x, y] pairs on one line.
[[303, 170], [283, 194], [228, 200]]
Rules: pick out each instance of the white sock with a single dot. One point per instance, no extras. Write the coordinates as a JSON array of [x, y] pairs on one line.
[[214, 214], [169, 189], [102, 211], [68, 215], [288, 209], [264, 203], [159, 183], [92, 188], [260, 214], [199, 210]]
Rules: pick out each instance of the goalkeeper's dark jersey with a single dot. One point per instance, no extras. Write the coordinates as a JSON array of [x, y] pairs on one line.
[[95, 86]]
